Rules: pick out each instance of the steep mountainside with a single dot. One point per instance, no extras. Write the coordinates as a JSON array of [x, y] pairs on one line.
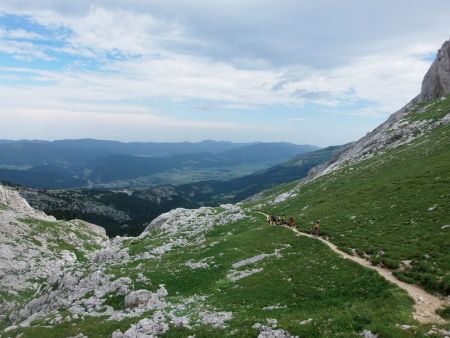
[[119, 212], [393, 207], [402, 127]]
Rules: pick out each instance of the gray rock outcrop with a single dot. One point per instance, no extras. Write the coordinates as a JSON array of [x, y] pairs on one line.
[[436, 82], [398, 130], [146, 298]]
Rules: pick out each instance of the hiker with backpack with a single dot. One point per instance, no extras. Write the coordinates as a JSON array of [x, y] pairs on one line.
[[316, 228]]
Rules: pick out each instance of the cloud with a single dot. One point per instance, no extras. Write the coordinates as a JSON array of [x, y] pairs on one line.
[[128, 57], [312, 95], [321, 34], [18, 42], [20, 34], [130, 126], [123, 120]]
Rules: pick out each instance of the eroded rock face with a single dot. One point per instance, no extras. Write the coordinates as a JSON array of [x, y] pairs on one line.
[[35, 247], [436, 82], [12, 199]]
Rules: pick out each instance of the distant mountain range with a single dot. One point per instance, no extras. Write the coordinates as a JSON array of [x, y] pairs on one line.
[[87, 163], [124, 211]]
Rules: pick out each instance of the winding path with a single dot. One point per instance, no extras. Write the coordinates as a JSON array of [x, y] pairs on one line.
[[425, 305]]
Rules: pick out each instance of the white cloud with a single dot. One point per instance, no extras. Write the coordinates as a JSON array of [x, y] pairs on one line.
[[23, 50], [219, 58], [134, 126], [20, 34]]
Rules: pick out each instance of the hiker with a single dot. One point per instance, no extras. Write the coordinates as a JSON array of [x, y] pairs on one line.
[[316, 228], [271, 219], [292, 222]]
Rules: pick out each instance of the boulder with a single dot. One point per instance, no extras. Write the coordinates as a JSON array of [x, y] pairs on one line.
[[151, 300], [136, 298]]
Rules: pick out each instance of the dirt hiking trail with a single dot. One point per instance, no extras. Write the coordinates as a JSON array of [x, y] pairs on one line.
[[426, 304]]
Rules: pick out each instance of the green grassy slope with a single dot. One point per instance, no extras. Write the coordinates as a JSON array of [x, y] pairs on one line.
[[390, 208], [307, 281]]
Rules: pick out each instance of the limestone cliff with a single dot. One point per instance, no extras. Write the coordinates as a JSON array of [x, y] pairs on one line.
[[436, 82]]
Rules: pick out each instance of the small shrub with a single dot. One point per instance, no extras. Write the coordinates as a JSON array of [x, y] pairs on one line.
[[390, 263], [359, 322], [116, 301], [444, 312], [375, 260], [403, 276]]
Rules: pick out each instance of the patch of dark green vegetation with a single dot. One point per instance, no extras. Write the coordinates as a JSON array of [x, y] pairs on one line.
[[38, 225], [35, 241], [116, 301], [444, 312], [91, 326], [60, 245]]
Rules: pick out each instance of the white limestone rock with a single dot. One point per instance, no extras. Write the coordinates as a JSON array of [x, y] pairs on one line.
[[151, 300], [215, 319]]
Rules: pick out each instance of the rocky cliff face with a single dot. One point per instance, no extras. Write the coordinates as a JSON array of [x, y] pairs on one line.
[[436, 82], [33, 246], [11, 198], [401, 128]]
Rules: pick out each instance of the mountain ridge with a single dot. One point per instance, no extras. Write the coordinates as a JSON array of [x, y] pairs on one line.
[[96, 163], [391, 134]]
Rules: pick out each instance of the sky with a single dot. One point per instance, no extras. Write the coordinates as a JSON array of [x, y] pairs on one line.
[[321, 72]]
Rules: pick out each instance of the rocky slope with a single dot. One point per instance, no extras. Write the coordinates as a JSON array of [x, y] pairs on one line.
[[34, 246], [399, 129], [202, 272]]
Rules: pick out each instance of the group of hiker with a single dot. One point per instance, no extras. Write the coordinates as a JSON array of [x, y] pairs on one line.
[[292, 223]]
